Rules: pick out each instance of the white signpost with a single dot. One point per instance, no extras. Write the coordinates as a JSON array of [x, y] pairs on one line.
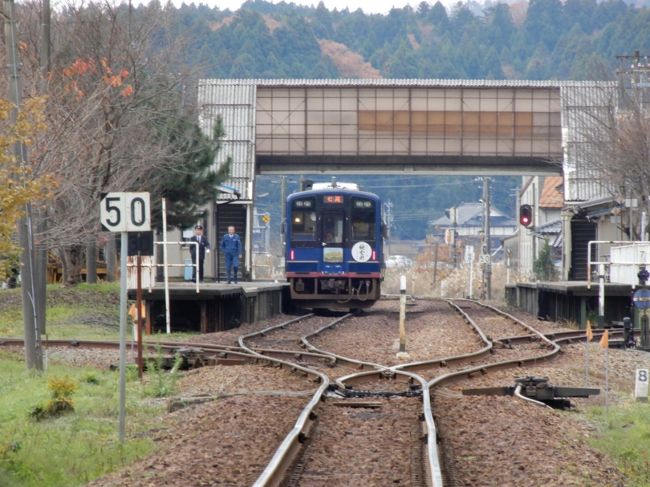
[[469, 260], [641, 385], [124, 212]]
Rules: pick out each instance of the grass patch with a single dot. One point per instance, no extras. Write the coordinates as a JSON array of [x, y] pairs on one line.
[[85, 312], [624, 435], [75, 448], [89, 311], [100, 287]]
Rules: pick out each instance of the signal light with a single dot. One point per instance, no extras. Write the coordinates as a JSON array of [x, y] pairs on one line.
[[525, 215]]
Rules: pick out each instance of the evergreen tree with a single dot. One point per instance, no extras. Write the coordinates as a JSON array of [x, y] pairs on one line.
[[543, 266], [193, 182]]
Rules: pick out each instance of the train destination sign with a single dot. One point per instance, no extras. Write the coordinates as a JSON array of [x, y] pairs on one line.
[[125, 212]]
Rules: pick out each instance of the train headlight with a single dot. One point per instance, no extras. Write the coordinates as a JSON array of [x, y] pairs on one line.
[[367, 204]]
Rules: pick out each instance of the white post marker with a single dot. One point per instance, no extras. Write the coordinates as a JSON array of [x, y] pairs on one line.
[[124, 212], [402, 354], [601, 295], [641, 385], [165, 268], [469, 260]]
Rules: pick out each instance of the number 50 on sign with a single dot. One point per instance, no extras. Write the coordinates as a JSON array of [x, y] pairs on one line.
[[125, 212]]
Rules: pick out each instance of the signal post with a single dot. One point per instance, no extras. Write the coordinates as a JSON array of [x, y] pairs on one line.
[[124, 213]]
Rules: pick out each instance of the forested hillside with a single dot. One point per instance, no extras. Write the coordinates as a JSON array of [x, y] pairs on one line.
[[543, 39]]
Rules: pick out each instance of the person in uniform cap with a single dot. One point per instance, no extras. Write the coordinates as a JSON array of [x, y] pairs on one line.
[[204, 248], [231, 247]]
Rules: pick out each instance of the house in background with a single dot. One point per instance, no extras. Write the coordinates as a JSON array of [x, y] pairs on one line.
[[524, 245], [470, 222]]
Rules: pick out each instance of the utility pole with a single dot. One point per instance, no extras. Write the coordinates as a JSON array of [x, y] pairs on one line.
[[454, 221], [40, 251], [388, 209], [487, 267], [283, 208], [33, 353]]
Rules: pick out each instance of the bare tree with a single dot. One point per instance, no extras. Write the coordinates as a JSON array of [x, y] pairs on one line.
[[610, 149], [106, 85]]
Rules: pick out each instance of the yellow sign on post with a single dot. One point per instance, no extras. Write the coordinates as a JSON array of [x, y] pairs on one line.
[[266, 218]]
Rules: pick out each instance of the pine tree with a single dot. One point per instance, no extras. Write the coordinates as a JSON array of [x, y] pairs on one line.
[[193, 182]]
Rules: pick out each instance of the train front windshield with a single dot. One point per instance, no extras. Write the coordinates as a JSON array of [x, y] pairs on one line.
[[326, 220], [333, 227]]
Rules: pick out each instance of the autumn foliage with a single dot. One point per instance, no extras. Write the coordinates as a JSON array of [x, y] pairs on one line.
[[82, 71], [19, 186]]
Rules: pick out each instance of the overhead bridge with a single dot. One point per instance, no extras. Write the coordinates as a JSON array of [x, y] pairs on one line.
[[476, 127]]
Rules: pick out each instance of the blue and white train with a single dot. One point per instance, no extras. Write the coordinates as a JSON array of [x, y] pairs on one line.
[[334, 246]]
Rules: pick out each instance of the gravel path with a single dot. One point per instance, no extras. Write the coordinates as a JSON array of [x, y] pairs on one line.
[[79, 356], [227, 441], [496, 441], [494, 326], [221, 443], [544, 326], [363, 446], [433, 330], [240, 379], [288, 338], [230, 337], [503, 441]]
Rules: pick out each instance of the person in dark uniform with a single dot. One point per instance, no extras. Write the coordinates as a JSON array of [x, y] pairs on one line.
[[204, 248], [231, 247]]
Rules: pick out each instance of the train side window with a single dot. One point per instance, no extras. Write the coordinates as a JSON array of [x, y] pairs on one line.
[[363, 220]]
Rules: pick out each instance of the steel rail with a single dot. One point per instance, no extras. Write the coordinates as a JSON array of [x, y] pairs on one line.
[[561, 335], [482, 369], [434, 479], [274, 472], [338, 358], [519, 395], [434, 470]]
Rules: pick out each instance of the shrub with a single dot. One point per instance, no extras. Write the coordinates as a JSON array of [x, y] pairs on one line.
[[91, 378], [61, 402], [162, 384]]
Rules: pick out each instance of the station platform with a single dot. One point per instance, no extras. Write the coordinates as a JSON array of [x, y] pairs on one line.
[[570, 301], [216, 307]]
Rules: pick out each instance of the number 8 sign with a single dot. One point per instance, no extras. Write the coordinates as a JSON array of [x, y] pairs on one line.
[[125, 212], [641, 385]]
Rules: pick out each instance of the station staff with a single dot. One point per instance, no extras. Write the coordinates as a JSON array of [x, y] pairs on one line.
[[231, 247], [204, 248]]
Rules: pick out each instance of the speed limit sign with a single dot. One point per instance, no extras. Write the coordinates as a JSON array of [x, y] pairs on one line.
[[125, 212]]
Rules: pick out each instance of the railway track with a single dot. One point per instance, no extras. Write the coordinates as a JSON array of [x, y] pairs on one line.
[[332, 424], [351, 393]]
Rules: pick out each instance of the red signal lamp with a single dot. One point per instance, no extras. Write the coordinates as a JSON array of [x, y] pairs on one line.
[[525, 215]]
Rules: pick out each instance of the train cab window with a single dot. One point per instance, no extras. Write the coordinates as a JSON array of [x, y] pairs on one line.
[[363, 220], [333, 228], [303, 220]]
